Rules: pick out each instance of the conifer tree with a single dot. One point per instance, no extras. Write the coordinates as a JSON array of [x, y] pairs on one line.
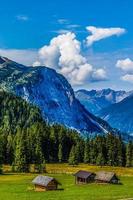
[[119, 155], [39, 158], [21, 153], [100, 159], [1, 155], [60, 156], [87, 152], [100, 145], [111, 150], [129, 154], [9, 149], [93, 151], [72, 157]]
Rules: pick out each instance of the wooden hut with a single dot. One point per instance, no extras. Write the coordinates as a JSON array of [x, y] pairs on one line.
[[44, 183], [84, 177], [106, 177]]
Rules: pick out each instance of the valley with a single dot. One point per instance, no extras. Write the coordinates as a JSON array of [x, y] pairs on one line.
[[18, 186]]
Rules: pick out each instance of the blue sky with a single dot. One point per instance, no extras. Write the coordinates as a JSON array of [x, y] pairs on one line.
[[26, 26]]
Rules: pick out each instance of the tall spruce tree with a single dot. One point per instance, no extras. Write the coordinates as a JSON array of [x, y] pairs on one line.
[[120, 146], [100, 145], [129, 154], [21, 161], [87, 152], [9, 149], [73, 157], [93, 151], [39, 158], [100, 159], [60, 155], [111, 147], [1, 155]]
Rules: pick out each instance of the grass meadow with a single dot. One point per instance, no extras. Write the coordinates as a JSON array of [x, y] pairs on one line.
[[19, 187]]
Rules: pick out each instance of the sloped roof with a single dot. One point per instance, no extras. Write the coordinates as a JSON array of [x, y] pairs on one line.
[[104, 176], [42, 180], [83, 174]]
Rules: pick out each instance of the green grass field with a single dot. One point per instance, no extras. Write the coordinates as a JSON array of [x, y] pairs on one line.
[[19, 187]]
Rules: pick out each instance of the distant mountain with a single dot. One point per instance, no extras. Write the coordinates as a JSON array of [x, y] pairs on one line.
[[95, 100], [120, 115], [52, 93]]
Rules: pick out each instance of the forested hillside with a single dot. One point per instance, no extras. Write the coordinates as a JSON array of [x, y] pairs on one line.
[[26, 139], [16, 113]]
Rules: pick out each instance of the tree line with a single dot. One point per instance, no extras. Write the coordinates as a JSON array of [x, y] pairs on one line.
[[26, 139]]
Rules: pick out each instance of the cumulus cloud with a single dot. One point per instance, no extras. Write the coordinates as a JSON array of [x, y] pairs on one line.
[[128, 78], [64, 54], [99, 74], [126, 65], [101, 33]]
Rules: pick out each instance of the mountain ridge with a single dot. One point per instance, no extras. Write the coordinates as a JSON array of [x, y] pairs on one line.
[[119, 115], [95, 100], [51, 92]]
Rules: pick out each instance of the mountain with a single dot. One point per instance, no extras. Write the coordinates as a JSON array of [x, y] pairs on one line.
[[95, 100], [52, 93], [120, 115]]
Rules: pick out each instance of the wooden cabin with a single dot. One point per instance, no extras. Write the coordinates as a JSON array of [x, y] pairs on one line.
[[106, 177], [84, 177], [45, 183]]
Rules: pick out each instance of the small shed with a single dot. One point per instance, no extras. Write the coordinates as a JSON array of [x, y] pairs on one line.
[[44, 183], [84, 177], [106, 177]]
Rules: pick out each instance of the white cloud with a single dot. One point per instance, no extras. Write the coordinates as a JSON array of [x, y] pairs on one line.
[[126, 65], [128, 78], [22, 17], [64, 54], [101, 33], [61, 31], [63, 21], [99, 75], [36, 64], [72, 26]]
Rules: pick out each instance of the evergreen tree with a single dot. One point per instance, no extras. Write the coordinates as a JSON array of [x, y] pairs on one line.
[[87, 152], [129, 154], [60, 153], [111, 147], [39, 158], [1, 155], [9, 149], [100, 159], [93, 151], [72, 157], [100, 143], [21, 153], [119, 156]]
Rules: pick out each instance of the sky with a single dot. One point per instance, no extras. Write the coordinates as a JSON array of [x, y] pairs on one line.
[[90, 42]]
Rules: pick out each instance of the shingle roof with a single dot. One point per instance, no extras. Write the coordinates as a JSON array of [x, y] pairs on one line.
[[83, 174], [42, 180], [104, 176]]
